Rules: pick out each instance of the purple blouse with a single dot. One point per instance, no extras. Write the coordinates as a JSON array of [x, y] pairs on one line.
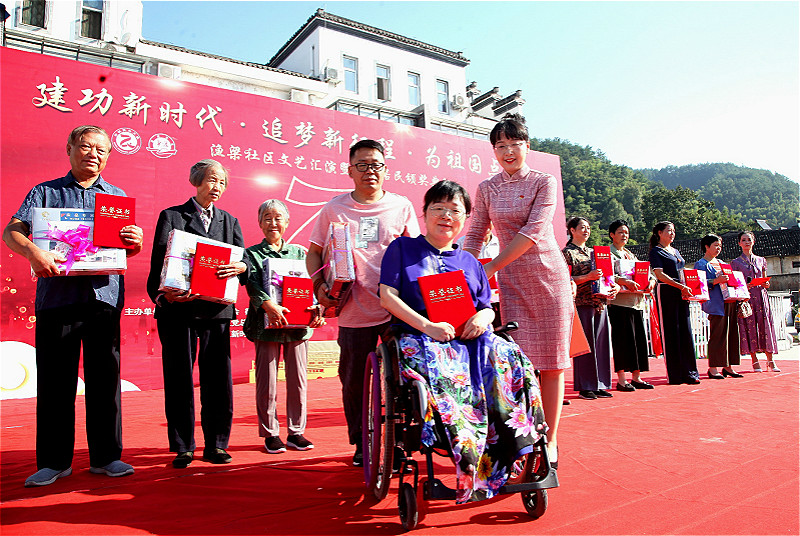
[[408, 258]]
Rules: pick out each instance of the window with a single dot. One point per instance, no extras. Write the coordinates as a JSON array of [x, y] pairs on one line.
[[413, 89], [92, 19], [384, 87], [351, 74], [442, 96], [33, 12]]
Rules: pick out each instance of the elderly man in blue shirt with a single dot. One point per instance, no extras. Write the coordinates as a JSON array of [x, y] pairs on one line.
[[75, 311]]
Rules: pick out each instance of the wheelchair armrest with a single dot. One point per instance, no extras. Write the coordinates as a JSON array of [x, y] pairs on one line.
[[509, 326]]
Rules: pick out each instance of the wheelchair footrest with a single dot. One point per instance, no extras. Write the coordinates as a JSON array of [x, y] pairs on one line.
[[550, 481], [435, 489]]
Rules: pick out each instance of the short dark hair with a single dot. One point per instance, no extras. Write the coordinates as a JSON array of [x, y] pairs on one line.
[[77, 132], [512, 126], [572, 223], [708, 240], [740, 235], [365, 144], [616, 224], [447, 191]]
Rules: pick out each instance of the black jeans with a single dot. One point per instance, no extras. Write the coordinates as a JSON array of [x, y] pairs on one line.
[[60, 333], [355, 345]]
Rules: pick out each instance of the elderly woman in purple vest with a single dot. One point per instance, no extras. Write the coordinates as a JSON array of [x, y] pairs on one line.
[[756, 332]]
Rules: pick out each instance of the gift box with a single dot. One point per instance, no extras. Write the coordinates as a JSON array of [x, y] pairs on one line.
[[696, 281], [636, 271], [339, 268], [736, 287], [69, 231], [176, 273], [111, 214], [601, 260], [286, 281]]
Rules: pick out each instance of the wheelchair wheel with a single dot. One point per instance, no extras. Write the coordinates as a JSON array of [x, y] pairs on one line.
[[407, 504], [377, 431], [535, 502]]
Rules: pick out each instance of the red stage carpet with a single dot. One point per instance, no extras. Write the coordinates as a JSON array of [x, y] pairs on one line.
[[717, 458]]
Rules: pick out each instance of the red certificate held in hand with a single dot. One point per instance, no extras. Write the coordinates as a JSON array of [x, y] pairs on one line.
[[204, 270], [447, 298], [112, 213], [298, 295]]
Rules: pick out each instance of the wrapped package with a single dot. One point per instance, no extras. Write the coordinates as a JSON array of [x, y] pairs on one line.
[[176, 273], [69, 231], [736, 287], [695, 280], [299, 292], [339, 268]]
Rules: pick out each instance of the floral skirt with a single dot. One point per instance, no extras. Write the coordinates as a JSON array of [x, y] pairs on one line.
[[488, 399]]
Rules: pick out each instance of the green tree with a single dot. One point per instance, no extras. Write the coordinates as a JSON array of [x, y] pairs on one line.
[[692, 215]]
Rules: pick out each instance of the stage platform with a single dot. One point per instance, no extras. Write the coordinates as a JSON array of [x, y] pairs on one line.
[[716, 458]]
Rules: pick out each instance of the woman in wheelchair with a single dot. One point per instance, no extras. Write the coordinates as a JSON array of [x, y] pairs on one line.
[[482, 386]]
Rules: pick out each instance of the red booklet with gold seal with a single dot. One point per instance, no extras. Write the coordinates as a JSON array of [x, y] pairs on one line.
[[112, 213], [298, 295], [447, 298], [204, 271]]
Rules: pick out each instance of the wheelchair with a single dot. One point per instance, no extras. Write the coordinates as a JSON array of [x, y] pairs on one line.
[[392, 417]]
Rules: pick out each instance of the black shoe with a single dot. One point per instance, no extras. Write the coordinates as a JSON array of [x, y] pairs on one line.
[[692, 381], [715, 376], [358, 457], [182, 460], [587, 395], [603, 394], [627, 387], [733, 374], [218, 456], [298, 442], [397, 462], [565, 402], [274, 445], [642, 384]]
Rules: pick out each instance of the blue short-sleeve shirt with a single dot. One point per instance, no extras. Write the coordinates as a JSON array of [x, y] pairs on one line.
[[52, 292]]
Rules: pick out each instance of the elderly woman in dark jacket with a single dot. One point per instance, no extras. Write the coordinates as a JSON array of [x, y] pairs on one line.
[[192, 329]]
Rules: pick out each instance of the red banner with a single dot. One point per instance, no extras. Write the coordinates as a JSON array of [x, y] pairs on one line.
[[159, 127]]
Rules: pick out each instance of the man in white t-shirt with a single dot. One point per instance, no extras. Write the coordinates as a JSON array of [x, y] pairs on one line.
[[376, 218]]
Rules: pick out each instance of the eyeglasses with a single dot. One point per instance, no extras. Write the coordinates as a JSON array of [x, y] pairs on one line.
[[516, 146], [374, 166], [441, 212]]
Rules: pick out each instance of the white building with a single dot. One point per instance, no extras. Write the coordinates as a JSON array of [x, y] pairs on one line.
[[329, 62]]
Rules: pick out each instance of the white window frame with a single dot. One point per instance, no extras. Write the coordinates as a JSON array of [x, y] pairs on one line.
[[354, 71], [101, 11], [384, 94], [44, 14], [416, 88], [446, 94]]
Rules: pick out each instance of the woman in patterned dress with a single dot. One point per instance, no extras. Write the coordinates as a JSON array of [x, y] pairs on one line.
[[756, 332], [483, 387], [535, 288]]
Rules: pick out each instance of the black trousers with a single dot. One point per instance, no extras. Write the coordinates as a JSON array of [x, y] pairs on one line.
[[676, 335], [60, 334], [628, 339], [355, 345], [184, 341]]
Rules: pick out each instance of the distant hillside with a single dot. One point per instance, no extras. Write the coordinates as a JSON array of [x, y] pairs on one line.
[[747, 193], [602, 192]]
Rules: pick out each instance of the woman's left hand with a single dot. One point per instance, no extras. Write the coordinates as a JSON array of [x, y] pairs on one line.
[[473, 328], [233, 269], [316, 319], [765, 284]]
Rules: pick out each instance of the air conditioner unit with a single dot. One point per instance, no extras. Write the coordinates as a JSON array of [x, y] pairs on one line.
[[459, 102], [331, 74], [298, 95], [167, 70]]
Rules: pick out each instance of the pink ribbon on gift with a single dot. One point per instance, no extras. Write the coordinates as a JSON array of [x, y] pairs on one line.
[[277, 280], [78, 240]]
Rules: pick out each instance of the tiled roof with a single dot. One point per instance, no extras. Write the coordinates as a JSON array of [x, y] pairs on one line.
[[223, 58], [774, 243], [328, 20]]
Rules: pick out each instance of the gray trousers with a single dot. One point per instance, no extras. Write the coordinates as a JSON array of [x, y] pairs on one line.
[[592, 372], [295, 360]]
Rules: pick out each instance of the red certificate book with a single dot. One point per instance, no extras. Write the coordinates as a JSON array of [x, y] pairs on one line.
[[493, 279], [602, 261], [728, 270], [112, 213], [204, 270], [298, 295], [641, 274], [696, 281], [758, 281], [447, 298]]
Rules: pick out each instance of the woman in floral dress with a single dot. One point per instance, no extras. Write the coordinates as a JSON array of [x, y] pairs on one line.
[[756, 332], [482, 386]]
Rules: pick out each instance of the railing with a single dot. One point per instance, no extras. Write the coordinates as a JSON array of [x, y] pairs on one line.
[[779, 304]]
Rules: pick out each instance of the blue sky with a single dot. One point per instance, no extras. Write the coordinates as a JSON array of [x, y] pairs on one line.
[[650, 84]]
